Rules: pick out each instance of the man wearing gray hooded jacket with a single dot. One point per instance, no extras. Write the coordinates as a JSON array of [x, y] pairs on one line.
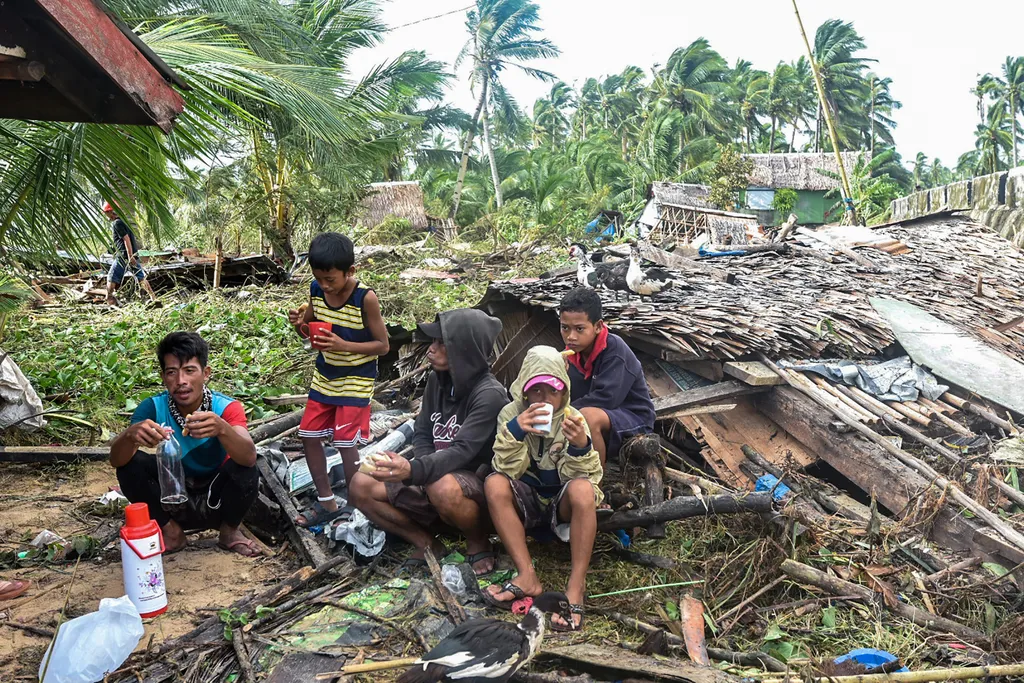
[[452, 446]]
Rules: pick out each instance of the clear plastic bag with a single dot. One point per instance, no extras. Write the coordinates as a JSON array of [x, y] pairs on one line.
[[451, 575], [91, 646]]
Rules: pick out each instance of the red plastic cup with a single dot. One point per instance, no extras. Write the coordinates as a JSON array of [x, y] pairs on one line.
[[311, 330]]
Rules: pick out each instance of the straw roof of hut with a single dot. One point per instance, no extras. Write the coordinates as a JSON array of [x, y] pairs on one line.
[[681, 194], [398, 199], [800, 171]]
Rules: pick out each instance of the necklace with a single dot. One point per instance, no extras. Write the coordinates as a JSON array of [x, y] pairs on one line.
[[204, 407]]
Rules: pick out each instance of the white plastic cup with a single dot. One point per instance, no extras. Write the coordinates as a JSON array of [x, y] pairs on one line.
[[545, 426]]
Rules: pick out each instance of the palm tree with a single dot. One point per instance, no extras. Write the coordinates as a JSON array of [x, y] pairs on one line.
[[502, 34], [805, 98], [779, 94], [1008, 89], [880, 109], [920, 170], [272, 73], [747, 91], [836, 44], [691, 84], [991, 138]]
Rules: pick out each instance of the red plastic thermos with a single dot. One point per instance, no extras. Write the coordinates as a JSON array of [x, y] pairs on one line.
[[142, 547]]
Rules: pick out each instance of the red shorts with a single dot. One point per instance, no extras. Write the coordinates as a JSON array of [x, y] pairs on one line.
[[346, 426]]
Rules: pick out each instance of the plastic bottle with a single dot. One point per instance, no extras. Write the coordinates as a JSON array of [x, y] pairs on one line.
[[142, 547], [393, 441], [172, 473]]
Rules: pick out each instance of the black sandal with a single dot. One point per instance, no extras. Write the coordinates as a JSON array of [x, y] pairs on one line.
[[476, 557], [320, 516], [573, 609], [509, 587]]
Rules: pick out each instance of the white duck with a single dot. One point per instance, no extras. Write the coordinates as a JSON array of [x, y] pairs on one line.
[[584, 266], [645, 282]]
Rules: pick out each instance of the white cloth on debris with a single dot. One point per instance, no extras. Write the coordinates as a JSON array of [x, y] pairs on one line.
[[899, 379], [360, 533], [18, 400]]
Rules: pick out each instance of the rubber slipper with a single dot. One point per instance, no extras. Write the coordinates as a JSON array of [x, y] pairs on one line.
[[12, 589], [507, 587], [231, 547], [476, 557], [573, 609], [320, 516]]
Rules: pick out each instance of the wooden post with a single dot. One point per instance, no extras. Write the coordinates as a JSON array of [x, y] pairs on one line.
[[828, 118], [218, 263]]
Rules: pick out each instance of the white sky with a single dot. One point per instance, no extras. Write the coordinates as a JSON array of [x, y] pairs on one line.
[[933, 53]]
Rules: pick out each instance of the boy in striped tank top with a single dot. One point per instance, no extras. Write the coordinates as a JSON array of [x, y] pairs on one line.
[[346, 367]]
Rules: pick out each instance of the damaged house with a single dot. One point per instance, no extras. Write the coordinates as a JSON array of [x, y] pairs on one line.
[[722, 351]]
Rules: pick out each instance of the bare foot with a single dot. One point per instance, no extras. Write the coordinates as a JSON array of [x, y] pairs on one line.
[[174, 537], [111, 301], [528, 583], [235, 541]]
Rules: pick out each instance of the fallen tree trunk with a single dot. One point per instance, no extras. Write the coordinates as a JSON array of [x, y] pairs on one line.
[[52, 453], [686, 506], [276, 426], [836, 586]]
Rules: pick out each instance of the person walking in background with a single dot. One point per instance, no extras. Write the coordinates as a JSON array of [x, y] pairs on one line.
[[125, 250]]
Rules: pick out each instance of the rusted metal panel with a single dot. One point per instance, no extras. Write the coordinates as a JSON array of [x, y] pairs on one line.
[[92, 31]]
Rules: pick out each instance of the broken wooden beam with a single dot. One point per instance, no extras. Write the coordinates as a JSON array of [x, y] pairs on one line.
[[842, 249], [685, 507], [836, 586], [754, 373], [52, 453], [614, 663], [669, 260], [714, 393], [302, 539]]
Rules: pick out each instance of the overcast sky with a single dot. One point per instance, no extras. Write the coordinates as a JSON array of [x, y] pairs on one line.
[[933, 54]]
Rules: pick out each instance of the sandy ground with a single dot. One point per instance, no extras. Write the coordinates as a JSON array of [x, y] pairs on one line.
[[200, 579]]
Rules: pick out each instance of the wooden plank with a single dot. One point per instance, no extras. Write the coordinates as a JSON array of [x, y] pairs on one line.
[[615, 663], [754, 373], [302, 539], [52, 453], [715, 393], [286, 400], [709, 369]]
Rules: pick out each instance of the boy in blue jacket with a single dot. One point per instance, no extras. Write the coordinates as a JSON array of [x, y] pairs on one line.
[[607, 382]]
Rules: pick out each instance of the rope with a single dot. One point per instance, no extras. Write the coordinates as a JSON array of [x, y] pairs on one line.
[[436, 16]]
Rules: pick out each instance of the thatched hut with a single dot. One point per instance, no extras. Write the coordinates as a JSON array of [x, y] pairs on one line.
[[811, 175], [399, 200]]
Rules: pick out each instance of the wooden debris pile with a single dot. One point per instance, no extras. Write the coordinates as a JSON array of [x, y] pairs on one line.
[[798, 305]]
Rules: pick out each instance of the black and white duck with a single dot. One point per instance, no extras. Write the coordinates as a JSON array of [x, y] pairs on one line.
[[489, 649], [645, 282]]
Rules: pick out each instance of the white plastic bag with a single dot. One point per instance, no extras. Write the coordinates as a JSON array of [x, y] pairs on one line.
[[93, 645], [360, 533], [451, 576]]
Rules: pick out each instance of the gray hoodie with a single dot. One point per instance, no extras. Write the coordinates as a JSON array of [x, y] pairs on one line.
[[458, 417]]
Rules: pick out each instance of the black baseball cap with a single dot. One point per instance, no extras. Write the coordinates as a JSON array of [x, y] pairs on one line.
[[431, 330]]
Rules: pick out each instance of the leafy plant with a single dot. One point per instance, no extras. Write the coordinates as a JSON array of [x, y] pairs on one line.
[[730, 174], [784, 202], [13, 296]]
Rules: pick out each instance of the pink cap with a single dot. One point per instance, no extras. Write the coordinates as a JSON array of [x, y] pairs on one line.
[[550, 380]]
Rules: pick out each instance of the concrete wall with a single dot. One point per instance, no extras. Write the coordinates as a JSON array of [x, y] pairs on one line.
[[997, 200]]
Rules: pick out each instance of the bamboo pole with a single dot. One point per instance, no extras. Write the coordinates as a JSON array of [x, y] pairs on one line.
[[979, 672], [848, 199], [865, 415], [369, 667], [984, 514], [879, 406], [909, 414]]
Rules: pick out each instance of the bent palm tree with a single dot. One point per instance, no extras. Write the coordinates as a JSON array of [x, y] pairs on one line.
[[502, 34]]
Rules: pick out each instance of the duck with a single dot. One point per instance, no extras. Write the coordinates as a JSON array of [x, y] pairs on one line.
[[489, 649], [645, 282], [584, 266]]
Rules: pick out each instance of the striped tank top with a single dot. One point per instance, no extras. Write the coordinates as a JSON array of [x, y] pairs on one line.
[[343, 379]]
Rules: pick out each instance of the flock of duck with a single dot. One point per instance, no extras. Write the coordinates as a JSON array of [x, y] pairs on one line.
[[625, 275]]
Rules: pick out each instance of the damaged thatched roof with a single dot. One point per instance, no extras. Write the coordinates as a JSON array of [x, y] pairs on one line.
[[400, 200], [681, 194], [801, 171], [798, 306]]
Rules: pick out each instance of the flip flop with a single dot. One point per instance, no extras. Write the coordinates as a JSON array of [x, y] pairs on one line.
[[476, 557], [320, 516], [243, 542], [508, 587], [12, 589], [573, 609]]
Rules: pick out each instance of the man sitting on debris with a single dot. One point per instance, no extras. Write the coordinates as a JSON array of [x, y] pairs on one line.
[[546, 476], [126, 255], [608, 384], [219, 457], [452, 446]]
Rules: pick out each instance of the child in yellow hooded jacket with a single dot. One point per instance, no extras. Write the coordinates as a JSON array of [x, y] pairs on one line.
[[544, 477]]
